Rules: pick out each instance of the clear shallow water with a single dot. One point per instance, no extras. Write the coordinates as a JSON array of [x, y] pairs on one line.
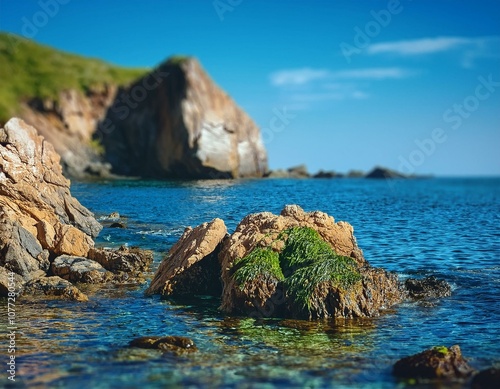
[[443, 227]]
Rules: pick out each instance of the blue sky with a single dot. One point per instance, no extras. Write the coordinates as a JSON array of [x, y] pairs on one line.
[[337, 85]]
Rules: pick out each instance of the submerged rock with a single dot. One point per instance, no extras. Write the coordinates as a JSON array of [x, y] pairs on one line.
[[54, 287], [165, 343], [428, 287], [191, 266], [437, 362]]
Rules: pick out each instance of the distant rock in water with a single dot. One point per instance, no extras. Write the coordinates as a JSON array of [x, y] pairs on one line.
[[438, 362], [328, 174], [299, 171], [176, 122], [381, 172]]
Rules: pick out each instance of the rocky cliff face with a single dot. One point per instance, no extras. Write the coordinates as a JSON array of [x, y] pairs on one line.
[[175, 122], [69, 125]]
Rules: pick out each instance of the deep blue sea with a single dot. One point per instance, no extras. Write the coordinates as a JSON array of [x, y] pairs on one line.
[[447, 227]]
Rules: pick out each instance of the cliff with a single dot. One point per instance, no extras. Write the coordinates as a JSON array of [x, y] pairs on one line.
[[171, 122], [175, 122]]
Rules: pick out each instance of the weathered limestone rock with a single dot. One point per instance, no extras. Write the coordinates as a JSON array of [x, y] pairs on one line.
[[54, 287], [38, 216], [79, 269], [43, 229], [189, 261], [437, 362], [184, 126]]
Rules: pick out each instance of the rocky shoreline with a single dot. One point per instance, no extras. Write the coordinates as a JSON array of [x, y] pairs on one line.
[[46, 235], [300, 265]]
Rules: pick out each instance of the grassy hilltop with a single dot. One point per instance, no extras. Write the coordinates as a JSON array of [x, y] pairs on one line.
[[29, 70]]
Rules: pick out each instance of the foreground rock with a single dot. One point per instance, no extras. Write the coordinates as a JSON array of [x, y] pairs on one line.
[[438, 362], [45, 231], [191, 266], [166, 343], [301, 265], [185, 126], [39, 218], [296, 264]]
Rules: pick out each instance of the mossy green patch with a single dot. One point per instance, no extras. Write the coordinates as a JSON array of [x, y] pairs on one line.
[[441, 349], [336, 270], [29, 70], [260, 262], [303, 246], [305, 263]]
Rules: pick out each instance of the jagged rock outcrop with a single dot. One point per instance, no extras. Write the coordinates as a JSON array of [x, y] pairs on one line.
[[279, 250], [175, 122], [374, 289], [191, 266], [43, 229], [38, 216]]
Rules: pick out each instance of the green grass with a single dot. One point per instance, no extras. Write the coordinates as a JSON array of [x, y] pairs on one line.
[[30, 70], [306, 263], [178, 59]]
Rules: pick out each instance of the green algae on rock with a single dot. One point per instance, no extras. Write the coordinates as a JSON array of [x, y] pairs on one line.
[[309, 264]]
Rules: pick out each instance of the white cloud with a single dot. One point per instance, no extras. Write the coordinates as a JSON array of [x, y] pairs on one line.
[[297, 76], [300, 77], [372, 73], [469, 48]]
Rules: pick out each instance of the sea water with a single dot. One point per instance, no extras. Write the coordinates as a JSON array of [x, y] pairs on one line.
[[446, 227]]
